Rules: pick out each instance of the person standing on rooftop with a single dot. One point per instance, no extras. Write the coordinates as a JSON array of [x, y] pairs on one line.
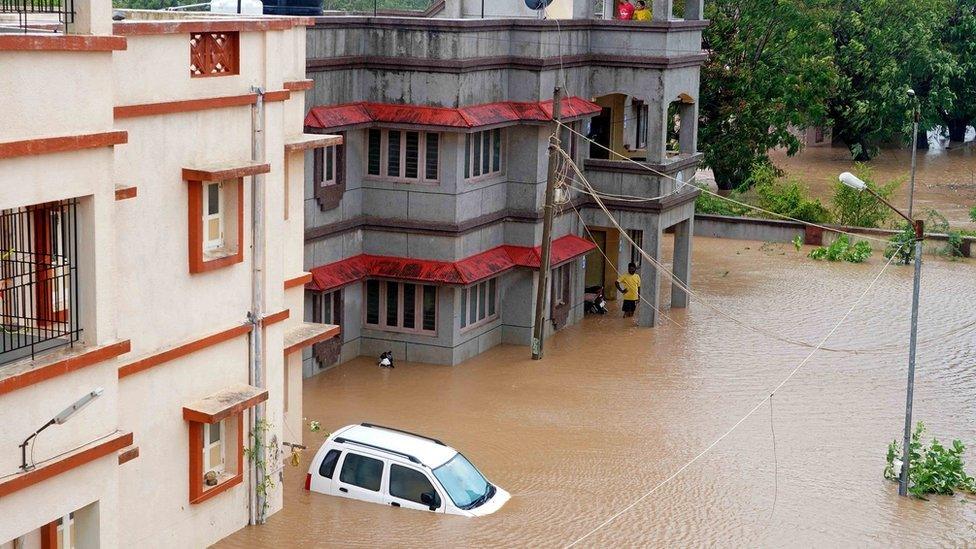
[[642, 13], [625, 10]]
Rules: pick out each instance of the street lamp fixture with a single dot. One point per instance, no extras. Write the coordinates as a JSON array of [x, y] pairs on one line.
[[857, 184], [59, 419]]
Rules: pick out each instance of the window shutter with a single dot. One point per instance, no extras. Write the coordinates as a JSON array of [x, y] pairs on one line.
[[412, 155], [433, 141], [318, 167]]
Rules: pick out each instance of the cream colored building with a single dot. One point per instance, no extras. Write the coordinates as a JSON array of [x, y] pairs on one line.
[[151, 230]]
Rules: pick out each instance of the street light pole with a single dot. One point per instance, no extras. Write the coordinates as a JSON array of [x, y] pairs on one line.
[[913, 339], [916, 115], [852, 181]]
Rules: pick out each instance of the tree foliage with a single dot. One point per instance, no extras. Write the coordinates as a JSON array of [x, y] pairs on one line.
[[769, 69], [859, 208], [959, 40], [883, 48]]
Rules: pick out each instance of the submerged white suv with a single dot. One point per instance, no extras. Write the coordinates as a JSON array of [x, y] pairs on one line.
[[402, 469]]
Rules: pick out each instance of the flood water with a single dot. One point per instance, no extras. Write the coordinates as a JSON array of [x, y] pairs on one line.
[[613, 410], [945, 177]]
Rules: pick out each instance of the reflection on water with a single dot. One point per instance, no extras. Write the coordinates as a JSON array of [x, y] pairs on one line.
[[945, 178], [614, 409]]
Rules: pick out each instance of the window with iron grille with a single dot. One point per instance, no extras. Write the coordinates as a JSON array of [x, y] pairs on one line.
[[38, 279], [64, 9], [401, 306]]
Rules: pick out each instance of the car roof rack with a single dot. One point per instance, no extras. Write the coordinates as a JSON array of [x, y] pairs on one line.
[[343, 440], [375, 426]]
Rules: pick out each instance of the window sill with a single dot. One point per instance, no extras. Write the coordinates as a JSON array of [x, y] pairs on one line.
[[381, 179], [406, 331], [225, 482], [479, 324], [216, 259]]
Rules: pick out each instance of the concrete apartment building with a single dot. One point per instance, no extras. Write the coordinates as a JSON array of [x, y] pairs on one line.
[[423, 228], [151, 222]]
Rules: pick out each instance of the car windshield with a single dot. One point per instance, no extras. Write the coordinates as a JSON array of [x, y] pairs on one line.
[[463, 482]]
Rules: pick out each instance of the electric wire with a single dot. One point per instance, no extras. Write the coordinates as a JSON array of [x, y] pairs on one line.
[[745, 417], [54, 457], [725, 198], [681, 285]]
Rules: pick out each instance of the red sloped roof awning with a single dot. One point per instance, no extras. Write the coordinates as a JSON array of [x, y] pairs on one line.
[[563, 249], [338, 274], [469, 270], [471, 117]]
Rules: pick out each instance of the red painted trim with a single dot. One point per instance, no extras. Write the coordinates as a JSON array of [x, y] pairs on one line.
[[128, 455], [142, 28], [67, 42], [299, 85], [49, 535], [276, 317], [182, 350], [298, 281], [199, 417], [277, 95], [49, 145], [201, 174], [62, 367], [191, 105], [73, 461], [329, 334], [126, 193]]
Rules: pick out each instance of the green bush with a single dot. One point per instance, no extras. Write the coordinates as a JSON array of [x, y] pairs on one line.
[[787, 198], [972, 214], [707, 203], [859, 208], [934, 469], [842, 250]]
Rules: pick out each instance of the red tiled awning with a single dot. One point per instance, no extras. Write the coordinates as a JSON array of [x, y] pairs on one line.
[[332, 117], [461, 273]]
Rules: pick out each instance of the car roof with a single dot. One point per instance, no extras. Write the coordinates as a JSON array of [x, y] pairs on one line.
[[430, 452]]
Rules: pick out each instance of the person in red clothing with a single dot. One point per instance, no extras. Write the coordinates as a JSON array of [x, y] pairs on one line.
[[625, 10]]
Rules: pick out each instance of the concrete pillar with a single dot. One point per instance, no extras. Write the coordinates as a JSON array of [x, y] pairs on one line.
[[650, 276], [683, 235], [583, 9], [694, 10], [92, 17], [608, 9], [688, 132], [663, 9], [657, 132]]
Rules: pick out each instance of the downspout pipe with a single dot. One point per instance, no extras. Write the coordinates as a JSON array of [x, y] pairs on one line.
[[256, 314]]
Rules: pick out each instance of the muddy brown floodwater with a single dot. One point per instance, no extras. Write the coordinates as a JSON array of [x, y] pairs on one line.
[[614, 409], [945, 178]]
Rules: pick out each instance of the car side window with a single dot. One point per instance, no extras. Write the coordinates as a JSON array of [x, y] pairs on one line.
[[409, 484], [329, 463], [362, 471]]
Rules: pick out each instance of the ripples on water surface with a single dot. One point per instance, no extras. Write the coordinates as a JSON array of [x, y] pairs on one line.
[[613, 410]]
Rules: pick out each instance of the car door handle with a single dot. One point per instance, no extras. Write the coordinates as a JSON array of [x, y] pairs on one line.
[[344, 490], [395, 504]]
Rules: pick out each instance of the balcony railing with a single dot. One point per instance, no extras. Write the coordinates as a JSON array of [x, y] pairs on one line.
[[39, 15], [38, 279]]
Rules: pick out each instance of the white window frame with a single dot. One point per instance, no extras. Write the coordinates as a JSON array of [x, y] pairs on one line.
[[559, 277], [321, 300], [469, 299], [208, 243], [67, 534], [471, 160], [329, 177], [402, 168], [418, 307], [219, 468]]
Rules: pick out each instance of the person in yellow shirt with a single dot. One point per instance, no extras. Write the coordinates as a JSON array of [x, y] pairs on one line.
[[643, 13], [629, 285]]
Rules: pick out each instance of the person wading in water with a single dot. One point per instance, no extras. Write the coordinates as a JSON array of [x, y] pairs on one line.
[[629, 285]]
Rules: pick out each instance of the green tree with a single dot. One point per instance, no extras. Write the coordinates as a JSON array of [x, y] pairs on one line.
[[958, 40], [769, 69], [883, 48]]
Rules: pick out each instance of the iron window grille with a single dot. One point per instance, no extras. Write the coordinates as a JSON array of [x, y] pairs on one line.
[[38, 279], [64, 9]]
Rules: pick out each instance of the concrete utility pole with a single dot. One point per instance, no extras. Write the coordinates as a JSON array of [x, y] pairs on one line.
[[912, 342], [545, 266], [916, 117]]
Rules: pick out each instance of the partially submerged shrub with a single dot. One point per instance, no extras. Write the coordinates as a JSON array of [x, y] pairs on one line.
[[902, 244], [787, 198], [934, 469], [842, 250]]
